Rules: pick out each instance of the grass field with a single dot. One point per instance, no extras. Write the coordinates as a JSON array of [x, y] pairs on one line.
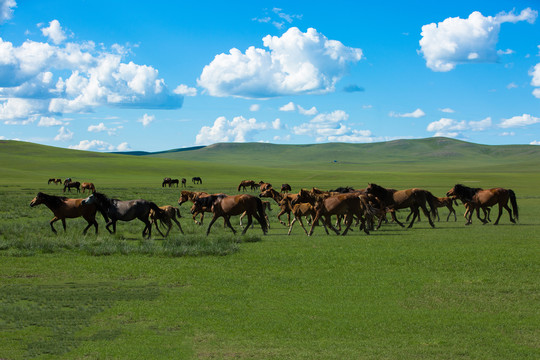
[[456, 291]]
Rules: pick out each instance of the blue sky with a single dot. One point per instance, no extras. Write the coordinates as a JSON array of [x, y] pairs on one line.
[[108, 76]]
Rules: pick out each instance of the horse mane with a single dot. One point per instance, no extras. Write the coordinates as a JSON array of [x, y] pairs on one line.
[[52, 200], [465, 192]]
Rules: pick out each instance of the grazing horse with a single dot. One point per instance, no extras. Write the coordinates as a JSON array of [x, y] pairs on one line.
[[166, 181], [64, 208], [169, 214], [400, 199], [54, 181], [484, 199], [184, 182], [174, 181], [233, 205], [196, 180], [72, 184], [285, 188], [124, 210], [88, 186], [245, 183]]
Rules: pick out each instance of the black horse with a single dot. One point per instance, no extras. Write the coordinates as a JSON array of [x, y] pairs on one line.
[[124, 210], [196, 180]]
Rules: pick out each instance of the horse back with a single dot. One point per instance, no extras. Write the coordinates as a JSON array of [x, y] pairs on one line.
[[73, 208]]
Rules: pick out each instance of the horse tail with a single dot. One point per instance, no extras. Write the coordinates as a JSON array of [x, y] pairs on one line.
[[260, 212], [432, 201], [514, 203], [239, 186]]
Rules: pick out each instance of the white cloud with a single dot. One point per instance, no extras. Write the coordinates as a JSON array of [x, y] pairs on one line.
[[49, 121], [277, 17], [415, 114], [447, 110], [123, 147], [20, 111], [6, 9], [146, 119], [534, 142], [535, 73], [239, 129], [455, 40], [519, 121], [505, 52], [296, 63], [54, 32], [276, 124], [185, 90], [93, 145], [101, 127], [332, 127], [508, 133], [37, 71], [512, 85], [255, 107], [310, 112], [452, 128], [288, 107], [64, 135]]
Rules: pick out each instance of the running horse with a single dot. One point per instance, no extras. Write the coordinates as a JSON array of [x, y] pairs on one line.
[[233, 205], [65, 208], [484, 199], [124, 210], [169, 214], [400, 199]]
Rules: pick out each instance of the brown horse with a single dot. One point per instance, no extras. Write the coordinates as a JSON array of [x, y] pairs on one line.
[[65, 208], [267, 206], [169, 213], [285, 207], [186, 195], [400, 199], [246, 183], [72, 184], [233, 205], [166, 181], [88, 186], [54, 181], [299, 210], [484, 199], [348, 205], [285, 188], [264, 186], [442, 202], [184, 182]]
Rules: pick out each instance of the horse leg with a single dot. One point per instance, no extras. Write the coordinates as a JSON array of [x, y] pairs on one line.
[[426, 212], [179, 226], [90, 223], [113, 223], [484, 221], [55, 219], [500, 213], [348, 222], [250, 222], [227, 221], [64, 223], [512, 220], [415, 214], [154, 221], [214, 218], [394, 218], [279, 215], [241, 217]]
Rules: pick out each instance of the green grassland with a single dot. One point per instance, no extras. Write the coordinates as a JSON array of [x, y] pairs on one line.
[[456, 291]]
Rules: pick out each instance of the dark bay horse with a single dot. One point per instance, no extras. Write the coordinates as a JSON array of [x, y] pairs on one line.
[[54, 181], [166, 181], [484, 199], [72, 184], [400, 199], [233, 205], [196, 180], [124, 210], [65, 208], [285, 188], [184, 182], [174, 181]]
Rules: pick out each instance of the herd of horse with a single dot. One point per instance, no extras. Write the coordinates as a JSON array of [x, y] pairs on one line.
[[69, 184], [183, 181], [363, 207]]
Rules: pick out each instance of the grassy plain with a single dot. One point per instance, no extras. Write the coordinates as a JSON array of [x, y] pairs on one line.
[[450, 292]]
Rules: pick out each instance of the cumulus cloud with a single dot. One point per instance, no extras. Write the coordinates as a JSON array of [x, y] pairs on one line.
[[185, 90], [519, 121], [54, 32], [76, 77], [93, 145], [534, 142], [296, 63], [332, 127], [415, 114], [101, 128], [49, 121], [146, 119], [64, 134], [15, 111], [239, 129], [6, 9], [457, 41], [276, 124], [452, 128], [309, 112]]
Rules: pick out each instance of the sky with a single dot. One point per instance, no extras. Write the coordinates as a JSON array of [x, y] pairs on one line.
[[122, 76]]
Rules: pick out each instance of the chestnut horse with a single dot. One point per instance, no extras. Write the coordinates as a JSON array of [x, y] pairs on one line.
[[285, 207], [186, 195], [54, 181], [264, 186], [285, 188], [233, 205], [441, 202], [484, 199], [400, 199], [64, 208], [245, 183], [88, 186], [169, 214], [124, 210]]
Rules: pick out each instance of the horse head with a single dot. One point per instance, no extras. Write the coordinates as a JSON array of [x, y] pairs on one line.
[[37, 200]]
